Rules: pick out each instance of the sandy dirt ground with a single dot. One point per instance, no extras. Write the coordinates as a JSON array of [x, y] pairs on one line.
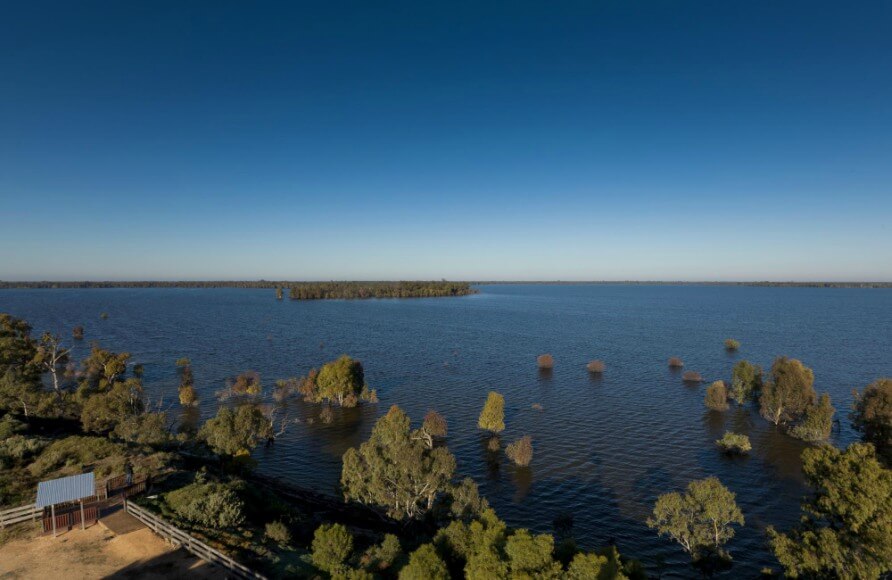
[[98, 553]]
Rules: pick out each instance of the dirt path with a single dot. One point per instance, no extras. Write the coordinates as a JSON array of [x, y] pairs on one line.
[[98, 553]]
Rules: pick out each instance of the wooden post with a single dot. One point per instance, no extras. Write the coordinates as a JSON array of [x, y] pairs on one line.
[[83, 522], [53, 513]]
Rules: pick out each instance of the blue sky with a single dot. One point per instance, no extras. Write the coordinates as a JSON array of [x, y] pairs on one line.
[[473, 140]]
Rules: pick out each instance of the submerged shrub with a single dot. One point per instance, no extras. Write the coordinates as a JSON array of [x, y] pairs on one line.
[[746, 382], [521, 451], [326, 415], [731, 344], [494, 444], [717, 396], [675, 363], [734, 443], [188, 396], [545, 361], [595, 367], [77, 333], [691, 377]]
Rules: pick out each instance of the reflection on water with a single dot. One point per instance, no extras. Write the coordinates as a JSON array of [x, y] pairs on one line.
[[605, 445]]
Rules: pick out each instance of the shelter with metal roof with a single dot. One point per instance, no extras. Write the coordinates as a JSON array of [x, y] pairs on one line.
[[75, 488]]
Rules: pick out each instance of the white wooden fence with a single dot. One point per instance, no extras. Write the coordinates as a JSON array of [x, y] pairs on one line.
[[19, 514], [192, 544]]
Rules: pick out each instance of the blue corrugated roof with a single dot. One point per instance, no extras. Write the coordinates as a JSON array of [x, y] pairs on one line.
[[65, 489]]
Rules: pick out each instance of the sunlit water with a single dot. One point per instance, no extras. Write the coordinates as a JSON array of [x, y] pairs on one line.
[[605, 448]]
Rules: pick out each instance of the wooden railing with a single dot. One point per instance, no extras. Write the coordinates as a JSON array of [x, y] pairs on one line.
[[19, 514], [192, 544]]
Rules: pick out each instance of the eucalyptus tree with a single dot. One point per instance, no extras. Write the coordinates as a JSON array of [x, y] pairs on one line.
[[789, 392]]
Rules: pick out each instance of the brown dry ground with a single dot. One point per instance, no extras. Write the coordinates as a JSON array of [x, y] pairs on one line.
[[98, 553]]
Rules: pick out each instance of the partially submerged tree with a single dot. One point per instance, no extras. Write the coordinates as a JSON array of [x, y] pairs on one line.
[[789, 392], [846, 527], [340, 381], [716, 397], [817, 423], [434, 427], [746, 382], [395, 470], [521, 451], [236, 433], [492, 417], [101, 369], [872, 416], [700, 519]]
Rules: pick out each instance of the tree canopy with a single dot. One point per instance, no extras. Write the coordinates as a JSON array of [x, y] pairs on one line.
[[789, 392], [492, 417], [699, 519], [235, 433], [395, 470], [872, 416], [846, 529]]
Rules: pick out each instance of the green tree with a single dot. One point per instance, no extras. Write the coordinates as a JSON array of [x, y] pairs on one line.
[[237, 433], [492, 417], [699, 519], [531, 556], [394, 469], [872, 416], [586, 567], [716, 397], [789, 392], [847, 525], [817, 423], [341, 380], [425, 564], [746, 382], [332, 545], [18, 351], [103, 411]]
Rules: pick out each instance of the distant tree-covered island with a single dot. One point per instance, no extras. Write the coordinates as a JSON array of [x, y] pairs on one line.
[[296, 290]]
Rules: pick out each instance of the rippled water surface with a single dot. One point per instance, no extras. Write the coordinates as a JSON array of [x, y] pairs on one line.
[[605, 448]]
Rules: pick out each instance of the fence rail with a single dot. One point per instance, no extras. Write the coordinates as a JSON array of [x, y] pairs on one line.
[[192, 544], [19, 514]]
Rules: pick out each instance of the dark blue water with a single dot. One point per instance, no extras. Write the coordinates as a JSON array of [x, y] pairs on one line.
[[604, 448]]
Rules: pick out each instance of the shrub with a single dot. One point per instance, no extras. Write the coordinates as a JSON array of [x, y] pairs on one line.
[[77, 453], [691, 377], [817, 423], [214, 505], [425, 564], [144, 429], [9, 426], [492, 417], [595, 367], [545, 361], [675, 363], [521, 451], [734, 443], [278, 532], [331, 547], [731, 344], [247, 383], [19, 447], [382, 556], [717, 396]]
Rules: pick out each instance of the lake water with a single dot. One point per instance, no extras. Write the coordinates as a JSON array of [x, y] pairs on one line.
[[605, 448]]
